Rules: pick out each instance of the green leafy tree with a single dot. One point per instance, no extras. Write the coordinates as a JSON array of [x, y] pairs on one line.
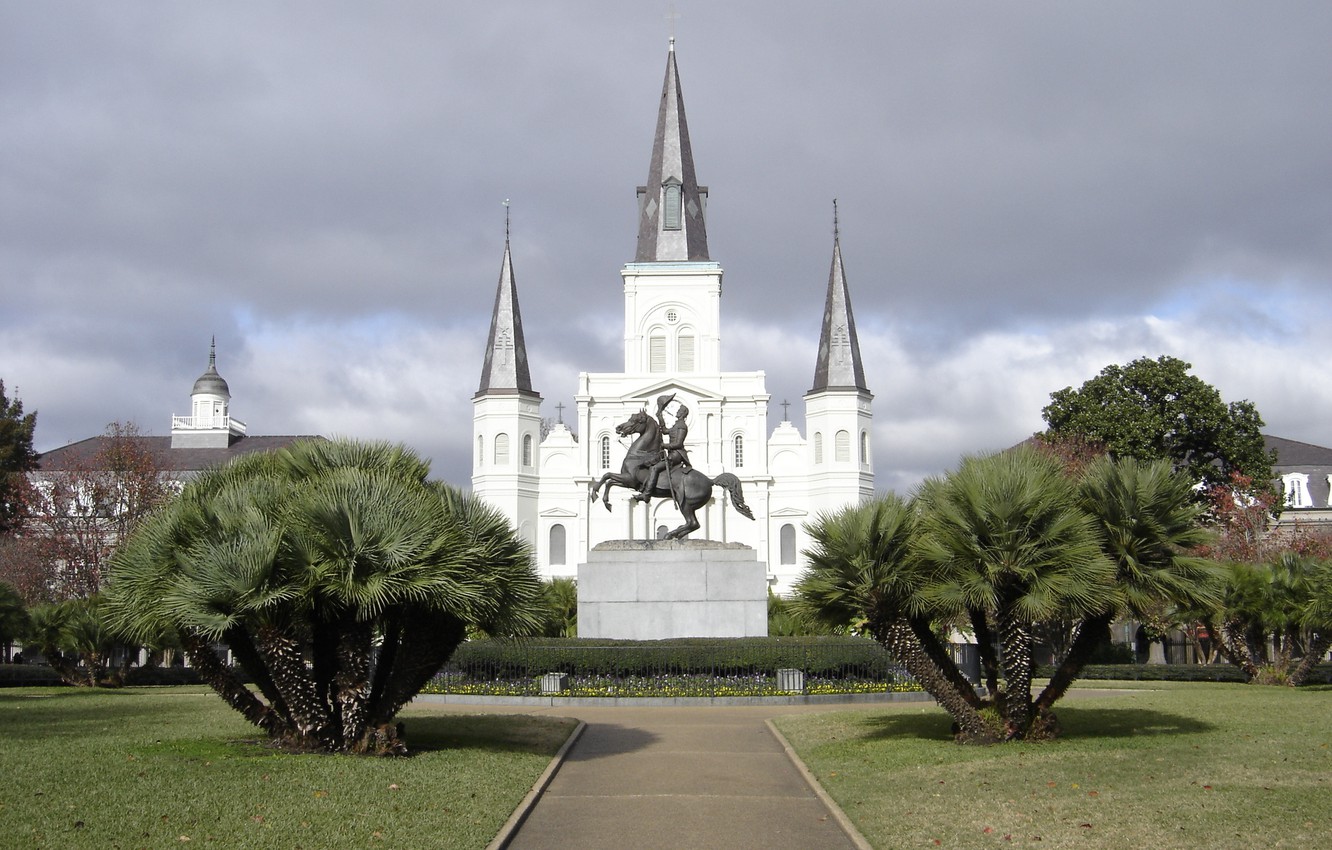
[[14, 620], [1155, 410], [338, 575], [17, 459]]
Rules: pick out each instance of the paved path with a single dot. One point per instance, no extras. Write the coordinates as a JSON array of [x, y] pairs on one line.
[[678, 778], [688, 777]]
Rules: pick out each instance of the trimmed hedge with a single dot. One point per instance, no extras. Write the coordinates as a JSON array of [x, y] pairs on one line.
[[817, 656], [1220, 672]]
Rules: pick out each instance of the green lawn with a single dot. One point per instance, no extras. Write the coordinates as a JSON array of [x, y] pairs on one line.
[[175, 767], [1160, 766]]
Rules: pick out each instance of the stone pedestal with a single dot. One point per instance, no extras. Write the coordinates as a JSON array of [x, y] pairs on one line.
[[657, 589]]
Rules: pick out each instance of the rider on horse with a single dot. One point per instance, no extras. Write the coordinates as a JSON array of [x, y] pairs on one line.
[[674, 453]]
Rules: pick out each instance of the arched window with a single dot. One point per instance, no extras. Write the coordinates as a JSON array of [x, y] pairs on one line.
[[864, 448], [818, 447], [739, 450], [527, 450], [842, 447], [684, 352], [662, 531], [1297, 490], [501, 449], [787, 538], [480, 449], [657, 353], [557, 535], [605, 452]]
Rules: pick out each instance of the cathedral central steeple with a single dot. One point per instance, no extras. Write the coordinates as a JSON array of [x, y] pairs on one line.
[[672, 205]]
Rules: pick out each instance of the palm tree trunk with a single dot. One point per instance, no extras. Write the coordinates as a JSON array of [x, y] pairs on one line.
[[351, 685], [1018, 667], [388, 651], [938, 655], [1313, 653], [1079, 652], [218, 677], [309, 718], [1235, 648], [243, 649], [902, 642], [980, 626], [66, 669], [426, 641]]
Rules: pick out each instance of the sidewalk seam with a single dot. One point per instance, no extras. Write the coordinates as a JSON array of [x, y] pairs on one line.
[[838, 815], [506, 833]]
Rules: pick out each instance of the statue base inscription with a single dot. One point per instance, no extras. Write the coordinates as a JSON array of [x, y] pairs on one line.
[[658, 589]]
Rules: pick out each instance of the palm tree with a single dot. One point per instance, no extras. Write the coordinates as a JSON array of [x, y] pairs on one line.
[[1148, 521], [562, 602], [1004, 538], [861, 573], [75, 640], [1316, 619], [1274, 611], [338, 575]]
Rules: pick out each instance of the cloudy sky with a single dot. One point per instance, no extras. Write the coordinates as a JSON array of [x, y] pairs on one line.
[[1028, 192]]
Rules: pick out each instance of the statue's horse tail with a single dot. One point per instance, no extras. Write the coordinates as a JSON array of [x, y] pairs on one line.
[[732, 485]]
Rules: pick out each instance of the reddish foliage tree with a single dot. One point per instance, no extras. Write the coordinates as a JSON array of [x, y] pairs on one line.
[[78, 515]]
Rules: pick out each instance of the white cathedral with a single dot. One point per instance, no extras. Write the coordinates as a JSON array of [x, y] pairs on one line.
[[672, 344]]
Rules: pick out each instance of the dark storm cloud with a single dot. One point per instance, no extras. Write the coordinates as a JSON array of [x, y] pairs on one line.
[[320, 185]]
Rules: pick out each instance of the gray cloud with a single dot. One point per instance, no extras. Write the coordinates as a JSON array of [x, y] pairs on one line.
[[1028, 192]]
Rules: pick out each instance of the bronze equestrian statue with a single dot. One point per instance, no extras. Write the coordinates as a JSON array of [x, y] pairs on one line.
[[664, 471]]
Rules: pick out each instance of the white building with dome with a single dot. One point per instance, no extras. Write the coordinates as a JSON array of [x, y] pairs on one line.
[[672, 344]]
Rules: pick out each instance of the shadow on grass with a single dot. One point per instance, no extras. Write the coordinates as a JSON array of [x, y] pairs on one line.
[[1077, 722], [486, 733]]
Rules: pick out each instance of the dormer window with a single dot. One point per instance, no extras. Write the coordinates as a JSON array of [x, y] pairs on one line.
[[670, 205]]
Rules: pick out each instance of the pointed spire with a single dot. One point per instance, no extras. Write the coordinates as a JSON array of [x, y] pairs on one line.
[[505, 368], [839, 365], [671, 205]]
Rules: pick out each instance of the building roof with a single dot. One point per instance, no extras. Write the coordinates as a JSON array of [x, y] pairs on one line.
[[839, 366], [1291, 453], [672, 163], [84, 453], [505, 367]]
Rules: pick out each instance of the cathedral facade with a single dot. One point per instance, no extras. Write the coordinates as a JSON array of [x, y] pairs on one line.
[[672, 347]]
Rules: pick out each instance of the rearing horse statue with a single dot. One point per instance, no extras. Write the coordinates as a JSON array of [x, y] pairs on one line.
[[687, 487]]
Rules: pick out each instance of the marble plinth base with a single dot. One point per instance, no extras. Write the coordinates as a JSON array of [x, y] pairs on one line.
[[658, 589]]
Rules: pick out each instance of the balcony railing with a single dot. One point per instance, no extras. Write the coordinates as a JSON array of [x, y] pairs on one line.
[[207, 423]]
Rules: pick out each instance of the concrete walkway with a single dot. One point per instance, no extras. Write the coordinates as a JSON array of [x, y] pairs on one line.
[[686, 777]]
